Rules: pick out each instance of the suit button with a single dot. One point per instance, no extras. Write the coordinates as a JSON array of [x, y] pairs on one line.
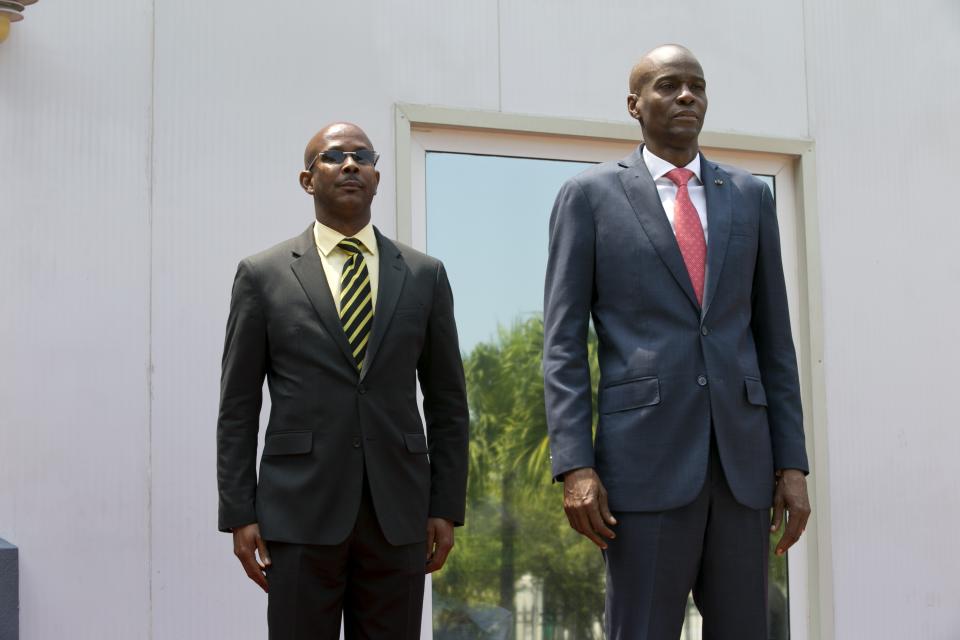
[[702, 381], [704, 330], [362, 389], [356, 443]]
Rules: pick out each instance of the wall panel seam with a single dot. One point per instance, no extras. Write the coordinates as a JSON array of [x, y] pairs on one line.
[[499, 60], [806, 67], [151, 177]]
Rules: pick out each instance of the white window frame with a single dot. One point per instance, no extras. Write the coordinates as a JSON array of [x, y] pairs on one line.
[[421, 128]]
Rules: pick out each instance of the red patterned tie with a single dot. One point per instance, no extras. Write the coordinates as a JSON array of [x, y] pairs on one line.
[[689, 231]]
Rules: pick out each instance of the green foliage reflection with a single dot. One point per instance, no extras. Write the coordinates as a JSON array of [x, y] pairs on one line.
[[516, 529], [516, 532]]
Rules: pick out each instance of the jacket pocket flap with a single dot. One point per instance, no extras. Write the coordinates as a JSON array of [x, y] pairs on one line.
[[755, 392], [416, 442], [630, 394], [288, 443]]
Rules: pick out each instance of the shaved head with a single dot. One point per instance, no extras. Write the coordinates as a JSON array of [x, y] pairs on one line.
[[668, 97], [319, 141], [654, 59], [342, 185]]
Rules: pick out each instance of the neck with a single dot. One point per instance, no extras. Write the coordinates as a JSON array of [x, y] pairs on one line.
[[678, 156], [349, 225]]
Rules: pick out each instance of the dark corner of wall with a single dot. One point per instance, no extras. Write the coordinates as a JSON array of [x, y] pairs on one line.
[[9, 592]]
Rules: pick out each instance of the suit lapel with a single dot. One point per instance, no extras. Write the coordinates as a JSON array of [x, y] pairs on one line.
[[717, 185], [392, 273], [309, 271], [642, 194]]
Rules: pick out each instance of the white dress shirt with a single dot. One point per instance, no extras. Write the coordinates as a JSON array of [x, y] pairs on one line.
[[667, 189]]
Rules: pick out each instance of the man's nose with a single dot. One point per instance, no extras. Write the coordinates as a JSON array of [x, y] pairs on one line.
[[350, 165], [686, 95]]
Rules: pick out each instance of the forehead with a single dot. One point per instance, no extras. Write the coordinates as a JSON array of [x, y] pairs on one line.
[[677, 67], [670, 62], [343, 137]]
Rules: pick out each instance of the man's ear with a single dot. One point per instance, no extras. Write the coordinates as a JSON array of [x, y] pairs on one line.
[[633, 106], [376, 183], [306, 181]]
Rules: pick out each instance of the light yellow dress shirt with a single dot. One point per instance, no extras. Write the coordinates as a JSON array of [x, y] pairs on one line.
[[333, 257]]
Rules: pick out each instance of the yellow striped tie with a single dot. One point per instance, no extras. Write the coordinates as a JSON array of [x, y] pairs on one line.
[[356, 299]]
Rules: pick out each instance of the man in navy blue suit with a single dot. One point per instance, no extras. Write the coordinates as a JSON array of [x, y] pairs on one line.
[[677, 260]]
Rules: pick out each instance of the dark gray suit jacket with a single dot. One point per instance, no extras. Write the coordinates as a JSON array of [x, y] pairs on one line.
[[329, 425], [669, 369]]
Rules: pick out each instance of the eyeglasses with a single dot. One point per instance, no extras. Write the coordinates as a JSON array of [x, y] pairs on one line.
[[336, 156]]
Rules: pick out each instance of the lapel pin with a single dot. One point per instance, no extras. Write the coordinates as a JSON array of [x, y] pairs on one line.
[[718, 182]]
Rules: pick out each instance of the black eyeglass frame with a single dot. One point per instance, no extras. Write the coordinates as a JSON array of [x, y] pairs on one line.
[[363, 160]]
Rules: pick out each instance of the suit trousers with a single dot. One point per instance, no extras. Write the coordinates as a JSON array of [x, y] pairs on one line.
[[714, 546], [376, 586]]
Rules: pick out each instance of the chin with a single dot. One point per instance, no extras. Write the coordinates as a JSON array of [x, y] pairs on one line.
[[686, 131], [355, 202]]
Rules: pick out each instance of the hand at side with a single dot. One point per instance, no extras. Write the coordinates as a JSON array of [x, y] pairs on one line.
[[246, 544], [585, 502], [790, 497], [439, 543]]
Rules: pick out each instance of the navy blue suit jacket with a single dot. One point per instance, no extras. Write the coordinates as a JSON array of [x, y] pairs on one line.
[[669, 369]]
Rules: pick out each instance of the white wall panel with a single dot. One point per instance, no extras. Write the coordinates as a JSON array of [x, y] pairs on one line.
[[885, 107], [239, 93], [572, 58], [134, 177], [74, 325]]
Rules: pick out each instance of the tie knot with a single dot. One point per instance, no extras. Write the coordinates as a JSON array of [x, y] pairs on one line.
[[351, 245], [680, 176]]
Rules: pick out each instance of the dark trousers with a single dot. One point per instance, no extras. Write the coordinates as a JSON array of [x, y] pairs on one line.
[[714, 546], [376, 586]]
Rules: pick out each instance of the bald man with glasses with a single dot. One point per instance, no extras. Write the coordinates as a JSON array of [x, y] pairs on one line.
[[355, 500]]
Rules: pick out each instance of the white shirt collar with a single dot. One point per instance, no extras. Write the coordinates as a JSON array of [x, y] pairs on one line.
[[658, 167]]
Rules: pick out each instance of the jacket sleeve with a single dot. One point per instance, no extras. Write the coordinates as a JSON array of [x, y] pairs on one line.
[[568, 292], [440, 370], [241, 396], [770, 323]]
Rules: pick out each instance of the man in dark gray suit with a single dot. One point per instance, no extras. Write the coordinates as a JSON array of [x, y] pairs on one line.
[[341, 321], [677, 260]]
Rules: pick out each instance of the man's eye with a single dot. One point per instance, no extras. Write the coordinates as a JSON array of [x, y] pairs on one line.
[[332, 157]]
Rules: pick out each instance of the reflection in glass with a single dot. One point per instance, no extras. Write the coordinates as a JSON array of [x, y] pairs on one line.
[[518, 572]]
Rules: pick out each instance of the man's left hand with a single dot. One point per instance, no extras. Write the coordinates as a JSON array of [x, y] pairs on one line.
[[790, 497], [439, 542]]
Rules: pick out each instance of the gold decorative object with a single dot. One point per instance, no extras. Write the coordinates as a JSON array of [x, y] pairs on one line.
[[11, 11]]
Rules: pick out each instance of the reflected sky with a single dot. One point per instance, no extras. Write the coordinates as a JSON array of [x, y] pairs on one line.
[[487, 221]]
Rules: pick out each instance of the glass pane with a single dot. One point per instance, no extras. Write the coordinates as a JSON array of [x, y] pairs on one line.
[[770, 181], [778, 611], [518, 571]]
